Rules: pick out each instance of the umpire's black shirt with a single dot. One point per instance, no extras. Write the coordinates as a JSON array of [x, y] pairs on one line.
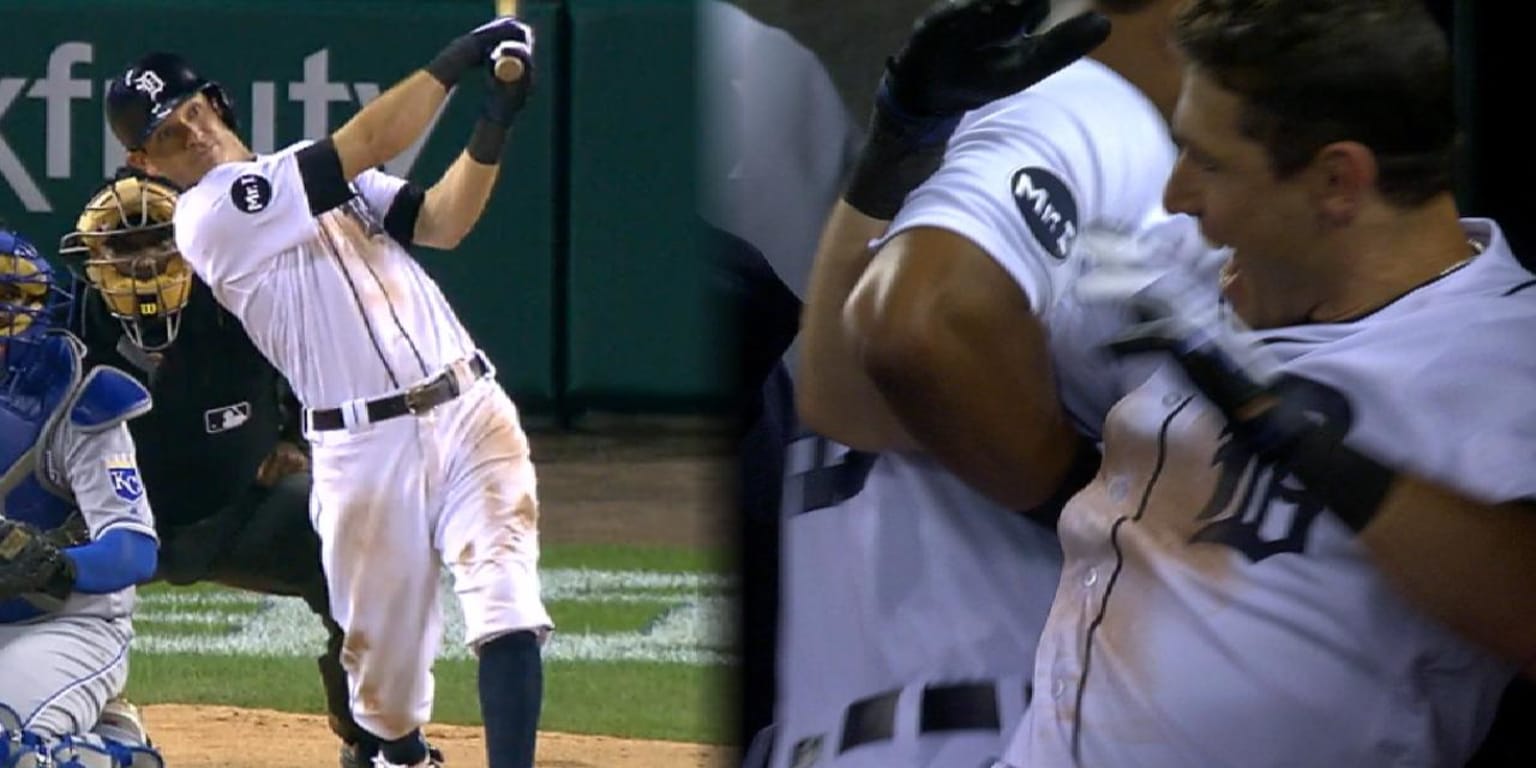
[[219, 406]]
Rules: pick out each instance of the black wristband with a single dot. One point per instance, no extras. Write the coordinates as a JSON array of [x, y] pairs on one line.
[[454, 60], [1352, 484], [486, 143], [903, 150]]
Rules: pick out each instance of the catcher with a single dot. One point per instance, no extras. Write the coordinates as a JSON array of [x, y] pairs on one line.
[[76, 532], [222, 455]]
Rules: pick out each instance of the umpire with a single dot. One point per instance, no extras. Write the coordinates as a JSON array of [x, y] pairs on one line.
[[222, 455]]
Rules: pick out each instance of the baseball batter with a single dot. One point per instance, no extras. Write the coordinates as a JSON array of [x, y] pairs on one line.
[[419, 458], [915, 600], [76, 532], [1309, 544], [222, 455]]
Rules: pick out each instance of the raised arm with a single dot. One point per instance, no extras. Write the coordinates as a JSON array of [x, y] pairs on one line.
[[397, 118], [962, 55]]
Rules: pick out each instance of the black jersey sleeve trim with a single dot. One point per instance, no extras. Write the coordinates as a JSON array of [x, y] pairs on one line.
[[324, 184], [400, 219]]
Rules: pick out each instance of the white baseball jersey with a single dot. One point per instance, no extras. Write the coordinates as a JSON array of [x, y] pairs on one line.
[[343, 311], [897, 574], [1211, 612], [335, 303]]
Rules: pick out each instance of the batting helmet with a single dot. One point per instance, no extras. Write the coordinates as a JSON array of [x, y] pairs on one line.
[[146, 94], [31, 299], [124, 246]]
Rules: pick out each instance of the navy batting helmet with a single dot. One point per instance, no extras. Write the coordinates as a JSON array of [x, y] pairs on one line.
[[151, 89]]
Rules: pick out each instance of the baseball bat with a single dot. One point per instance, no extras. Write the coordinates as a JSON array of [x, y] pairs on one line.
[[509, 69]]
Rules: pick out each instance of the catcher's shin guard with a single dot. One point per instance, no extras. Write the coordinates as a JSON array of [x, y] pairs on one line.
[[19, 748], [92, 751]]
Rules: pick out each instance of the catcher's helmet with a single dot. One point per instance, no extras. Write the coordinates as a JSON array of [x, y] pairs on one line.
[[124, 247], [31, 299], [151, 89]]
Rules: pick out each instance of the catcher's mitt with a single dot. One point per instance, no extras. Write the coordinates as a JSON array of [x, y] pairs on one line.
[[30, 562]]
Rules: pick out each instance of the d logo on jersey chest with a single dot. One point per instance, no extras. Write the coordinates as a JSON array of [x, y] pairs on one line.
[[1271, 512], [251, 193], [1048, 209]]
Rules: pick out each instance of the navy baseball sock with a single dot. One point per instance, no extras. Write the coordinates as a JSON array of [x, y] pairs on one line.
[[511, 691], [409, 749]]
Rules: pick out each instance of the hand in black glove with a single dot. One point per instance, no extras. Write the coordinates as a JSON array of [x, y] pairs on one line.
[[29, 562], [962, 54], [1294, 423], [505, 35], [967, 53]]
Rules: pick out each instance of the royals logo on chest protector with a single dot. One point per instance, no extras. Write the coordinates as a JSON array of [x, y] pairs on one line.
[[124, 474]]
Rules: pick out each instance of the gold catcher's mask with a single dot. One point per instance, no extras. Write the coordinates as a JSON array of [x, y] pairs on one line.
[[124, 246]]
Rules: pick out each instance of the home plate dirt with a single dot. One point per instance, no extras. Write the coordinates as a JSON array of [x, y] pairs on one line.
[[230, 737]]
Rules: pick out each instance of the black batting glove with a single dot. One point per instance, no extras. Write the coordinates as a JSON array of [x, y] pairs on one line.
[[474, 49], [962, 54]]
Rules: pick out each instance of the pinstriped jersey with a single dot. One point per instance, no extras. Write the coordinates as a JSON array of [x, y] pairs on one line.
[[332, 300], [1212, 612]]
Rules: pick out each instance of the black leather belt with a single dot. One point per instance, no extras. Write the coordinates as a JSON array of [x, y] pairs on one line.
[[960, 707], [418, 399]]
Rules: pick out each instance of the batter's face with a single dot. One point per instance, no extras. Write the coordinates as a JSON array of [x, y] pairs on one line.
[[1224, 179], [189, 144]]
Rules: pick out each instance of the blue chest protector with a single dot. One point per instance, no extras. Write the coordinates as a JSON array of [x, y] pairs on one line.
[[51, 388]]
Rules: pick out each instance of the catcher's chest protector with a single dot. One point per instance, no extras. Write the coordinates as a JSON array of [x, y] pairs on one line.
[[25, 418]]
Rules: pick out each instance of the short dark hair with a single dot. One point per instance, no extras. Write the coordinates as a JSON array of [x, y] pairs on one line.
[[1313, 72]]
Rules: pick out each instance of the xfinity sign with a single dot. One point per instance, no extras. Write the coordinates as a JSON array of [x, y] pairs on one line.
[[71, 74]]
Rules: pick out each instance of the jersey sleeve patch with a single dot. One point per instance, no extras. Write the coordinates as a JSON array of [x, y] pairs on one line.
[[124, 474], [1048, 209], [251, 192]]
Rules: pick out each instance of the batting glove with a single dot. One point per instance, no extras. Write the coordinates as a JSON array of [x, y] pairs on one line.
[[503, 36], [962, 54]]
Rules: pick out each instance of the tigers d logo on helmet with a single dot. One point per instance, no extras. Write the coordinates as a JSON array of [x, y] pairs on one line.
[[125, 247]]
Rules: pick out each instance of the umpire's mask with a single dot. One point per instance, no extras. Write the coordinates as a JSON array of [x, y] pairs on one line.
[[125, 247]]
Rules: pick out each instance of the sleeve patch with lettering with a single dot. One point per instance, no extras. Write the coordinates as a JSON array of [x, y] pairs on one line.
[[124, 474], [251, 192], [1048, 209]]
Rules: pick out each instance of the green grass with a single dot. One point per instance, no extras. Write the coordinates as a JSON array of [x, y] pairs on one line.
[[605, 618], [653, 701], [625, 558], [671, 701]]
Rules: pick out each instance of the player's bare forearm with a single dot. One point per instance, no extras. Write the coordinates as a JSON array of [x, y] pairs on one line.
[[388, 124], [833, 394], [454, 204], [1465, 563], [950, 342]]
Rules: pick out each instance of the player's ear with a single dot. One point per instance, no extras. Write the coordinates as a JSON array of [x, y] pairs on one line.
[[1341, 176], [138, 160]]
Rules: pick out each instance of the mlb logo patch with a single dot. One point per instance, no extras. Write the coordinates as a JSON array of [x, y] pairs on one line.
[[124, 475], [229, 417]]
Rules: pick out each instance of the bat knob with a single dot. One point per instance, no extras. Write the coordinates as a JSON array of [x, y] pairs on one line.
[[508, 68]]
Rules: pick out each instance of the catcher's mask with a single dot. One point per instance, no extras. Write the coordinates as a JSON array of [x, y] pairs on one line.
[[150, 90], [31, 300], [125, 248]]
